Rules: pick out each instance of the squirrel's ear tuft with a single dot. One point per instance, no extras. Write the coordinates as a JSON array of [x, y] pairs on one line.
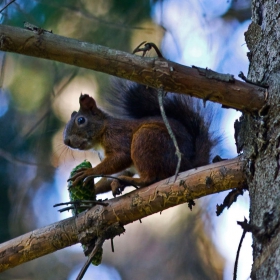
[[87, 102]]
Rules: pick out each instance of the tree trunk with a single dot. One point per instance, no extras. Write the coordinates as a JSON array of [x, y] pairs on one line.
[[259, 138]]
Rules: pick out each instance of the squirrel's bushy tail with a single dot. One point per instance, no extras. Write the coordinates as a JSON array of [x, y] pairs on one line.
[[131, 100]]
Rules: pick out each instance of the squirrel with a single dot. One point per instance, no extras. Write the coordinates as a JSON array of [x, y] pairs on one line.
[[134, 135]]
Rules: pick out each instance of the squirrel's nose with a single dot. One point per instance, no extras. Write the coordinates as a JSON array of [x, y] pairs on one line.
[[67, 142]]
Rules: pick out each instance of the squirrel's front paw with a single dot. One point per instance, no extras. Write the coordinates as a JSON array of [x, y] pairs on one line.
[[83, 174], [117, 187]]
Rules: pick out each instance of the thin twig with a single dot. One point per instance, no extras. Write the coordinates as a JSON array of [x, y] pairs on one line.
[[80, 204], [97, 246], [169, 129], [238, 252], [82, 201], [7, 5], [112, 245], [148, 47], [259, 84]]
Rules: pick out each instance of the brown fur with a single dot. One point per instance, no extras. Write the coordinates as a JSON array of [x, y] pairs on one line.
[[142, 143]]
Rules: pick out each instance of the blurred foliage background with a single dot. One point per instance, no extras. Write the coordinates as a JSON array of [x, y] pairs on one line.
[[37, 97]]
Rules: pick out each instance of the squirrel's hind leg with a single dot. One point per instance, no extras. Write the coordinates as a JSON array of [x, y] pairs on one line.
[[104, 184], [153, 153]]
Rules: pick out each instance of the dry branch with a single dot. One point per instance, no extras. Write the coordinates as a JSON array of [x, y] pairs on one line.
[[123, 210], [154, 72]]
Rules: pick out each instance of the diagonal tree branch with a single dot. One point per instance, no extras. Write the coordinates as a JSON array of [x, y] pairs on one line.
[[99, 220], [154, 72]]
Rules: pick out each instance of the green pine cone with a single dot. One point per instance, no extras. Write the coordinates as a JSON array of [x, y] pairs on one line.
[[80, 192]]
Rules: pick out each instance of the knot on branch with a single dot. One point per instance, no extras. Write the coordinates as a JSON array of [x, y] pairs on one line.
[[91, 238], [5, 42], [88, 238]]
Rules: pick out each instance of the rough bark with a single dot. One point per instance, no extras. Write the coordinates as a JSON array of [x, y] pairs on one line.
[[103, 221], [155, 72], [259, 139]]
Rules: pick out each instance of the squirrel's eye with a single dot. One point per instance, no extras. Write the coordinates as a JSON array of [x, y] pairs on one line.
[[81, 120]]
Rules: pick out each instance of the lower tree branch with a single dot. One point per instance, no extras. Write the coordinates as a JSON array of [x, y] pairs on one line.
[[98, 221]]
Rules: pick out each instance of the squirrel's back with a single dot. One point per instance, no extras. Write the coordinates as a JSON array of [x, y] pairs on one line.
[[135, 101]]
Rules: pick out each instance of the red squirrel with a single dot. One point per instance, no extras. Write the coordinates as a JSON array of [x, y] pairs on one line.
[[137, 137]]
